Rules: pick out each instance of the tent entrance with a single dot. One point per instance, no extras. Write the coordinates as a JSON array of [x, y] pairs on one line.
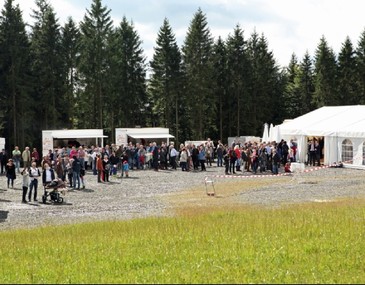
[[315, 158]]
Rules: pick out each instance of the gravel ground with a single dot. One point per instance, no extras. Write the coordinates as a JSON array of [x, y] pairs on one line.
[[141, 195]]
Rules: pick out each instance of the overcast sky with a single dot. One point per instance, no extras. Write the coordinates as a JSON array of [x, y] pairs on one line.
[[290, 26]]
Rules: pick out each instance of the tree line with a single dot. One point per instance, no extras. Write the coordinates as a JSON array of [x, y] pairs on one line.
[[94, 74]]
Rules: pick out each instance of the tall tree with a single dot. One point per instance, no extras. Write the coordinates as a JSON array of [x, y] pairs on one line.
[[197, 50], [262, 79], [292, 96], [47, 66], [70, 58], [326, 88], [131, 75], [166, 78], [95, 30], [347, 75], [360, 67], [14, 76], [220, 84], [306, 84], [238, 91]]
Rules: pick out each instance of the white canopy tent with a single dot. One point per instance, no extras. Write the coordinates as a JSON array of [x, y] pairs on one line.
[[48, 137], [343, 130], [141, 133]]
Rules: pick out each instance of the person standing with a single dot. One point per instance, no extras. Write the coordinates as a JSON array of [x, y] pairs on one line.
[[155, 152], [35, 156], [163, 157], [173, 154], [114, 161], [81, 155], [183, 159], [219, 155], [125, 168], [16, 154], [10, 172], [201, 158], [47, 176], [25, 173], [232, 161], [194, 157], [34, 174], [3, 160], [59, 167], [26, 156], [76, 168], [106, 167], [275, 161], [99, 168]]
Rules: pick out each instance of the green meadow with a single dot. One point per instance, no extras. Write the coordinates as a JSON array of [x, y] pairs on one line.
[[308, 243]]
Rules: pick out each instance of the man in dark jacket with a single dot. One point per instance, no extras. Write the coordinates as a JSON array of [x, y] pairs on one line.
[[76, 168], [275, 161], [3, 160], [155, 156]]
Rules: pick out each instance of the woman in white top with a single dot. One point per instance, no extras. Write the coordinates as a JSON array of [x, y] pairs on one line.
[[34, 173], [25, 174]]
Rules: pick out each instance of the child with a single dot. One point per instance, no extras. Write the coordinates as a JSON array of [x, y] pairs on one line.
[[25, 174], [125, 168], [287, 167]]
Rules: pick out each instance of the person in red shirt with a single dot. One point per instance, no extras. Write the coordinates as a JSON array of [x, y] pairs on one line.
[[35, 156]]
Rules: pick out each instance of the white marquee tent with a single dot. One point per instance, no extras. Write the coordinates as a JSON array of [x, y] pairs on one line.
[[343, 130]]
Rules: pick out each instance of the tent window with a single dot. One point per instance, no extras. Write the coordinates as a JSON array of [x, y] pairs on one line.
[[347, 151]]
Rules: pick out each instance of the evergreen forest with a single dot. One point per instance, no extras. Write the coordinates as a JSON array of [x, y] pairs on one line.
[[94, 74]]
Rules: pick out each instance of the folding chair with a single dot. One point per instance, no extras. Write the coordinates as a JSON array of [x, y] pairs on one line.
[[209, 181]]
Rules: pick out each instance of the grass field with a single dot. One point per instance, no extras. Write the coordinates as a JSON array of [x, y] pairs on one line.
[[309, 243]]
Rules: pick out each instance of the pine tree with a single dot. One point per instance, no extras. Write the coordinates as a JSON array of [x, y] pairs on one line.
[[14, 77], [166, 78], [238, 82], [197, 50], [326, 87], [292, 95], [70, 58], [131, 75], [96, 27], [360, 67], [220, 85], [306, 83], [347, 75], [263, 81], [47, 67]]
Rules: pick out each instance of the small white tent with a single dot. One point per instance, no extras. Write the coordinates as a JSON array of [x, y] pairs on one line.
[[141, 133], [48, 137], [341, 127]]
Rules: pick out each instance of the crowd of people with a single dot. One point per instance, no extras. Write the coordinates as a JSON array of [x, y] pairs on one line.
[[70, 164]]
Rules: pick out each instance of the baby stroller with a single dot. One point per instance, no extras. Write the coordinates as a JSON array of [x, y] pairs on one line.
[[54, 191]]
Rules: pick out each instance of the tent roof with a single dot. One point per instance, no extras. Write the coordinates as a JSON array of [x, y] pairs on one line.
[[77, 134], [342, 121], [149, 136]]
